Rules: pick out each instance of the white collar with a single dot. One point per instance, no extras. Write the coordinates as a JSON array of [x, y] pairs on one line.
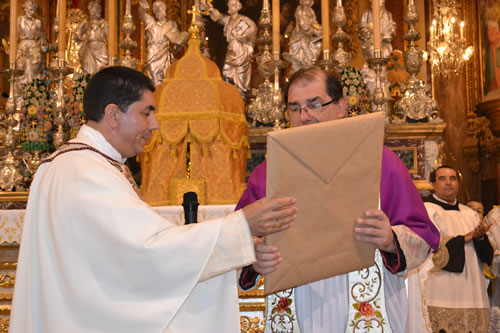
[[95, 139], [444, 201]]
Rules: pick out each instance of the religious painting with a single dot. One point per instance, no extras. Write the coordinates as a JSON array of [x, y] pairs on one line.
[[407, 155], [489, 26]]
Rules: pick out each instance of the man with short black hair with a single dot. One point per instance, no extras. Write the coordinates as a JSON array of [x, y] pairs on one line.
[[400, 229], [95, 257], [454, 295]]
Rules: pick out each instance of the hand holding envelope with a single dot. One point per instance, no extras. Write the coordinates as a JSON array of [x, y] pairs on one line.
[[333, 170]]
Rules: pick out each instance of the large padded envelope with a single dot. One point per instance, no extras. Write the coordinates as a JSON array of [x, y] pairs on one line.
[[333, 169]]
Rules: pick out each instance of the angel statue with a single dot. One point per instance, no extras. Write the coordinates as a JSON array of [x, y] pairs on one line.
[[240, 32], [305, 41], [32, 44], [93, 36], [162, 39]]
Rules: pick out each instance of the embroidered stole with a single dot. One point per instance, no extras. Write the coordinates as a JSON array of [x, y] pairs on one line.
[[77, 146], [367, 310]]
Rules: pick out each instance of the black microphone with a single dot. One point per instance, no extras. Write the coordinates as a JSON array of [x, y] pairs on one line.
[[190, 204]]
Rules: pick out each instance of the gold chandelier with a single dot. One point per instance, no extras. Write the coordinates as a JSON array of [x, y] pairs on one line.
[[447, 48]]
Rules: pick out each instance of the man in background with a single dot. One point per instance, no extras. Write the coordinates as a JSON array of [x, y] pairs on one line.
[[448, 293]]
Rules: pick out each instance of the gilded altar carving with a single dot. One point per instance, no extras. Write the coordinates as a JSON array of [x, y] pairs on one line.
[[351, 9], [251, 325]]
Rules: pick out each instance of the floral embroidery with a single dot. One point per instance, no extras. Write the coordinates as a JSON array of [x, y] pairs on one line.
[[283, 305], [365, 309]]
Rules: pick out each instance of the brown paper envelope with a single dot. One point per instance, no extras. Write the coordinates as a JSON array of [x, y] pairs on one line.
[[333, 169]]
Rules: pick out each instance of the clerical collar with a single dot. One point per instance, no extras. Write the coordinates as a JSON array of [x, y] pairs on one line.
[[446, 206]]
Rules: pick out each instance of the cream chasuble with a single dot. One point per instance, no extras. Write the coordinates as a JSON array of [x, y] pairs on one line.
[[95, 258]]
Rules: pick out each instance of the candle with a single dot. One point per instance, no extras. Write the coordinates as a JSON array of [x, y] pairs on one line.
[[265, 4], [432, 32], [276, 26], [339, 3], [112, 30], [13, 31], [61, 46], [462, 24], [325, 22], [127, 8], [377, 43]]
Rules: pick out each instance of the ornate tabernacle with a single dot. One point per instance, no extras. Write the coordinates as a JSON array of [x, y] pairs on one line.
[[202, 143]]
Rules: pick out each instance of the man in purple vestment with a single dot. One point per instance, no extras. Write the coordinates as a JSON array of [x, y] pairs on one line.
[[401, 229]]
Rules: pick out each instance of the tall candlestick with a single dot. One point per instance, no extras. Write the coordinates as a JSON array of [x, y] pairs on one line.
[[377, 42], [61, 46], [112, 30], [276, 26], [325, 24], [13, 31]]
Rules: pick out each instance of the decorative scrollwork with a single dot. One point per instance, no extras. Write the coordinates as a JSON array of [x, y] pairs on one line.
[[7, 280], [251, 325]]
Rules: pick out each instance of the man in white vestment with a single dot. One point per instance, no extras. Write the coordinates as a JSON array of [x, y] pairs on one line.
[[448, 293], [94, 257]]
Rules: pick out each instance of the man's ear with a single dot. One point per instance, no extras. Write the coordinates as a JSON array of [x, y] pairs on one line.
[[112, 115]]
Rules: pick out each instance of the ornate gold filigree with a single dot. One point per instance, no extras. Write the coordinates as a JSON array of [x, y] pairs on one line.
[[251, 325], [7, 280], [4, 325]]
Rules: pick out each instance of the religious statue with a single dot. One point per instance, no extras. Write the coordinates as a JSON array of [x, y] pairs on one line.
[[93, 36], [388, 31], [241, 34], [305, 40], [162, 34], [32, 44]]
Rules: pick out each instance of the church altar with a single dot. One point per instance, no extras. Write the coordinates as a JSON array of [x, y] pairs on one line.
[[252, 304]]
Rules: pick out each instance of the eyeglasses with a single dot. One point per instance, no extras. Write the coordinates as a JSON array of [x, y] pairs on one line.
[[311, 108]]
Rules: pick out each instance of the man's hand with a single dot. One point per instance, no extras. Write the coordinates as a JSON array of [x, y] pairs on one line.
[[374, 227], [479, 231], [267, 256], [268, 217]]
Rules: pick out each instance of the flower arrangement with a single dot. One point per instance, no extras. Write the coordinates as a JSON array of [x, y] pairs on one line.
[[354, 90], [76, 116], [36, 117]]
